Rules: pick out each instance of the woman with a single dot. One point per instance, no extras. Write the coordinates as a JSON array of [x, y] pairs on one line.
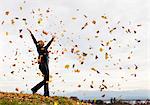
[[43, 61]]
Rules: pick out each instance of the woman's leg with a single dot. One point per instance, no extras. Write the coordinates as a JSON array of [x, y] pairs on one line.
[[46, 79], [37, 87]]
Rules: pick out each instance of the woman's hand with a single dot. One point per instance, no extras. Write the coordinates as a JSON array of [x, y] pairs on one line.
[[29, 30]]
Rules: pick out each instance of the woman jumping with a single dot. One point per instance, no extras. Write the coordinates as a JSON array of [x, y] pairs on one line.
[[43, 61]]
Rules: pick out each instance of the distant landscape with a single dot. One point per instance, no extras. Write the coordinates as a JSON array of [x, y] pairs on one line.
[[126, 95]]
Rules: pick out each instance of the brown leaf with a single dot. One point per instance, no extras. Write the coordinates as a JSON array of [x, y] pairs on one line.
[[103, 17], [21, 36], [106, 56], [84, 26], [7, 13], [94, 22], [44, 32]]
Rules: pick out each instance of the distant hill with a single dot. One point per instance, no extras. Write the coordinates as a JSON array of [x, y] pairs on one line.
[[106, 95]]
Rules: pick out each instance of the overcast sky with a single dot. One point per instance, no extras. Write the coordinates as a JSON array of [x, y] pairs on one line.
[[127, 66]]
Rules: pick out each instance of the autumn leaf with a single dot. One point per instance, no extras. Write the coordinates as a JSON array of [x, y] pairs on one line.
[[7, 13], [106, 56], [77, 71], [14, 65], [79, 85], [67, 66], [6, 33], [84, 26], [112, 30], [17, 89], [74, 18], [44, 32], [103, 95], [21, 36], [91, 86], [94, 22], [101, 49], [93, 69], [103, 17], [40, 20]]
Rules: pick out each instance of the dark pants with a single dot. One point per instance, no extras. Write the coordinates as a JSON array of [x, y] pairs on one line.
[[45, 71]]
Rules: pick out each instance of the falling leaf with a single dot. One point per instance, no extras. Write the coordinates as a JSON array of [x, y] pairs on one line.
[[107, 74], [85, 16], [73, 65], [12, 21], [67, 66], [112, 30], [91, 86], [137, 40], [77, 70], [103, 95], [20, 8], [103, 17], [40, 20], [14, 65], [101, 49], [74, 18], [44, 32], [16, 18], [12, 72], [97, 31], [84, 54], [139, 25], [104, 86], [2, 22], [10, 41], [107, 43], [21, 36], [94, 22], [136, 67], [106, 56], [7, 13], [84, 26], [17, 89], [133, 75], [20, 30], [24, 19], [96, 57], [6, 33], [134, 31], [93, 69], [79, 85]]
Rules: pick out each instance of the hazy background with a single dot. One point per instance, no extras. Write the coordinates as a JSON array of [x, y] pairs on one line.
[[65, 19]]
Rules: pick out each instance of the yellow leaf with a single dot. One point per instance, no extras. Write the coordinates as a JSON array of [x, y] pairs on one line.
[[6, 33], [74, 18], [104, 17], [39, 20], [77, 71], [55, 103], [67, 66], [93, 69], [101, 49], [106, 56]]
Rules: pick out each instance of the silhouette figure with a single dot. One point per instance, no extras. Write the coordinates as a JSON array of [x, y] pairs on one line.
[[43, 61]]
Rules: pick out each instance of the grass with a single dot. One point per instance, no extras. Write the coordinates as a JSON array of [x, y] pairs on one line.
[[29, 99]]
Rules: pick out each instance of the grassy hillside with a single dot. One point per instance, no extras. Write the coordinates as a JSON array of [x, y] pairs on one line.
[[29, 99]]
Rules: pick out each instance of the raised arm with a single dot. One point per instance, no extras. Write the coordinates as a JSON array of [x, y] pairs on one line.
[[49, 43], [34, 40]]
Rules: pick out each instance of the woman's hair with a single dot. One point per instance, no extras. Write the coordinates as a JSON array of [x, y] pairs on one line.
[[40, 43]]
